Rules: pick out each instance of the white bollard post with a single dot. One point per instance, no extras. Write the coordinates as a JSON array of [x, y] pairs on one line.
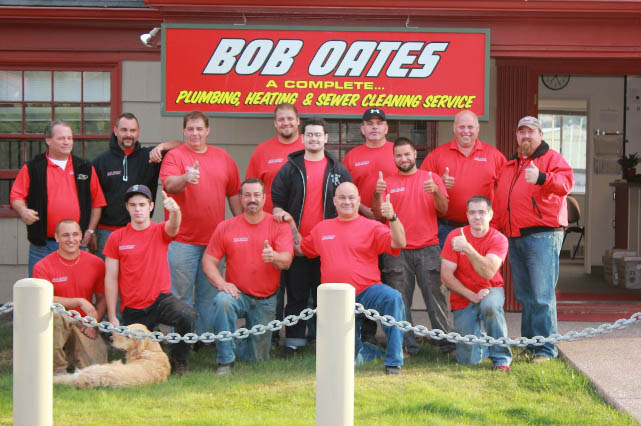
[[335, 355], [32, 353]]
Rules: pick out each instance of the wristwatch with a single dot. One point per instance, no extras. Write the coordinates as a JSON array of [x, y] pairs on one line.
[[393, 219], [91, 231]]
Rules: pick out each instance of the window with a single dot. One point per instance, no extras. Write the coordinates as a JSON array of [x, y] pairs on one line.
[[566, 132], [346, 134], [29, 99]]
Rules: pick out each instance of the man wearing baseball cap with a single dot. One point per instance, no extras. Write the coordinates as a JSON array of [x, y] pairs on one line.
[[530, 200], [137, 268]]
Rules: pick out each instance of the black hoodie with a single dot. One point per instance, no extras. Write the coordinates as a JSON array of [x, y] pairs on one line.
[[118, 172]]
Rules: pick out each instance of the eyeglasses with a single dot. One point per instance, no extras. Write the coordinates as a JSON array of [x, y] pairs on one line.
[[317, 135]]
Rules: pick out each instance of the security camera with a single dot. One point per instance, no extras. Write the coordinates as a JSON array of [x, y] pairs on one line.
[[146, 38]]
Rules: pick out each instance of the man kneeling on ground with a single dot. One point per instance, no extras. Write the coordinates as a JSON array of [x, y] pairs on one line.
[[257, 248], [471, 259]]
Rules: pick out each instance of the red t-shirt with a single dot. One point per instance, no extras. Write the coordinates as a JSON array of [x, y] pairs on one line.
[[415, 207], [202, 205], [475, 174], [364, 163], [62, 194], [82, 277], [493, 242], [242, 243], [266, 161], [313, 207], [349, 250], [143, 270]]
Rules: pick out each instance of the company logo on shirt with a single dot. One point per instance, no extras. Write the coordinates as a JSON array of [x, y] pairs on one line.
[[480, 159], [82, 177], [127, 247], [275, 160], [114, 172], [241, 239], [393, 190], [361, 163], [59, 279], [328, 237]]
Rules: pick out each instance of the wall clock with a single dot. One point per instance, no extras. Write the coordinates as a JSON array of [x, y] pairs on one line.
[[555, 81]]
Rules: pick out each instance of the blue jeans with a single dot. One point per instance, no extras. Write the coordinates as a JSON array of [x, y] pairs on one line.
[[386, 301], [468, 321], [422, 266], [443, 232], [257, 311], [37, 253], [190, 284], [534, 260], [102, 235]]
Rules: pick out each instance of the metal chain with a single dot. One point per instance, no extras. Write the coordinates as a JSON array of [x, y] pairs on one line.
[[157, 336], [7, 307], [471, 339]]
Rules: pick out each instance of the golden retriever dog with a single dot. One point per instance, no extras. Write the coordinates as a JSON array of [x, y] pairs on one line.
[[146, 363]]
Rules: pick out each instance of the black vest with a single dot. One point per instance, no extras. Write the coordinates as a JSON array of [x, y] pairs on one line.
[[37, 197]]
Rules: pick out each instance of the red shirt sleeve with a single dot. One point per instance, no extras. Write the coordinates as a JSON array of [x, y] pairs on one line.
[[308, 247], [20, 188], [111, 246], [233, 183], [283, 239], [216, 247]]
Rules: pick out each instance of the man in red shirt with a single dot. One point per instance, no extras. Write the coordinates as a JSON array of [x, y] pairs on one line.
[[472, 258], [200, 177], [365, 161], [137, 269], [531, 202], [417, 196], [348, 247], [54, 186], [303, 190], [77, 277], [266, 161], [257, 248], [467, 166]]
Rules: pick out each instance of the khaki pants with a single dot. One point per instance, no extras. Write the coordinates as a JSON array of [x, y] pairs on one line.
[[73, 348]]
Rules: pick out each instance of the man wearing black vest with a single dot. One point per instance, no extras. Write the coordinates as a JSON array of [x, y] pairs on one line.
[[54, 186]]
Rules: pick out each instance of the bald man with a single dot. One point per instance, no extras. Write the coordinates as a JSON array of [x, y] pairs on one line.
[[467, 166]]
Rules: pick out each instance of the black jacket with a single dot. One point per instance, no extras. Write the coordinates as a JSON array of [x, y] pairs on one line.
[[37, 196], [117, 173], [288, 188]]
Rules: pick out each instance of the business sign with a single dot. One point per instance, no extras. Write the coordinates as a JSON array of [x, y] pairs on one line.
[[411, 73]]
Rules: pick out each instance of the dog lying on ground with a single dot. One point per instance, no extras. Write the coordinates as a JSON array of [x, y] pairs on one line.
[[146, 363]]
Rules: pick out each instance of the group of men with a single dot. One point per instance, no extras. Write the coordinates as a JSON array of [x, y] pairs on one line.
[[301, 218]]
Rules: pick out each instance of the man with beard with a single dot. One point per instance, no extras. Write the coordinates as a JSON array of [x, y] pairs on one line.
[[531, 202], [417, 196], [266, 161], [467, 166], [348, 247], [126, 163], [255, 246], [303, 191]]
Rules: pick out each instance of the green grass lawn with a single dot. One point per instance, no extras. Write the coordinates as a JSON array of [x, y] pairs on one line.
[[432, 391]]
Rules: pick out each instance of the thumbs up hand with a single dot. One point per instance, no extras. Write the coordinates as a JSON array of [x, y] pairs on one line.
[[169, 203], [387, 210], [531, 173], [447, 179], [381, 186], [268, 253], [193, 174], [430, 186], [459, 243]]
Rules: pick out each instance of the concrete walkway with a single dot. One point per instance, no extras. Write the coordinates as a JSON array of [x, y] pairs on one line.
[[612, 362]]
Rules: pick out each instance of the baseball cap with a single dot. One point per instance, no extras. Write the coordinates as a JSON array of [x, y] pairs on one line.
[[372, 112], [531, 122], [138, 189]]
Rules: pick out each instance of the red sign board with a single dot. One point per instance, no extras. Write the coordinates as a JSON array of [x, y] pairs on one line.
[[410, 73]]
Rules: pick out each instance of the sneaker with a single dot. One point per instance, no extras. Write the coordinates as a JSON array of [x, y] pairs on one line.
[[179, 368], [287, 352], [389, 369], [539, 359], [502, 368], [224, 369]]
